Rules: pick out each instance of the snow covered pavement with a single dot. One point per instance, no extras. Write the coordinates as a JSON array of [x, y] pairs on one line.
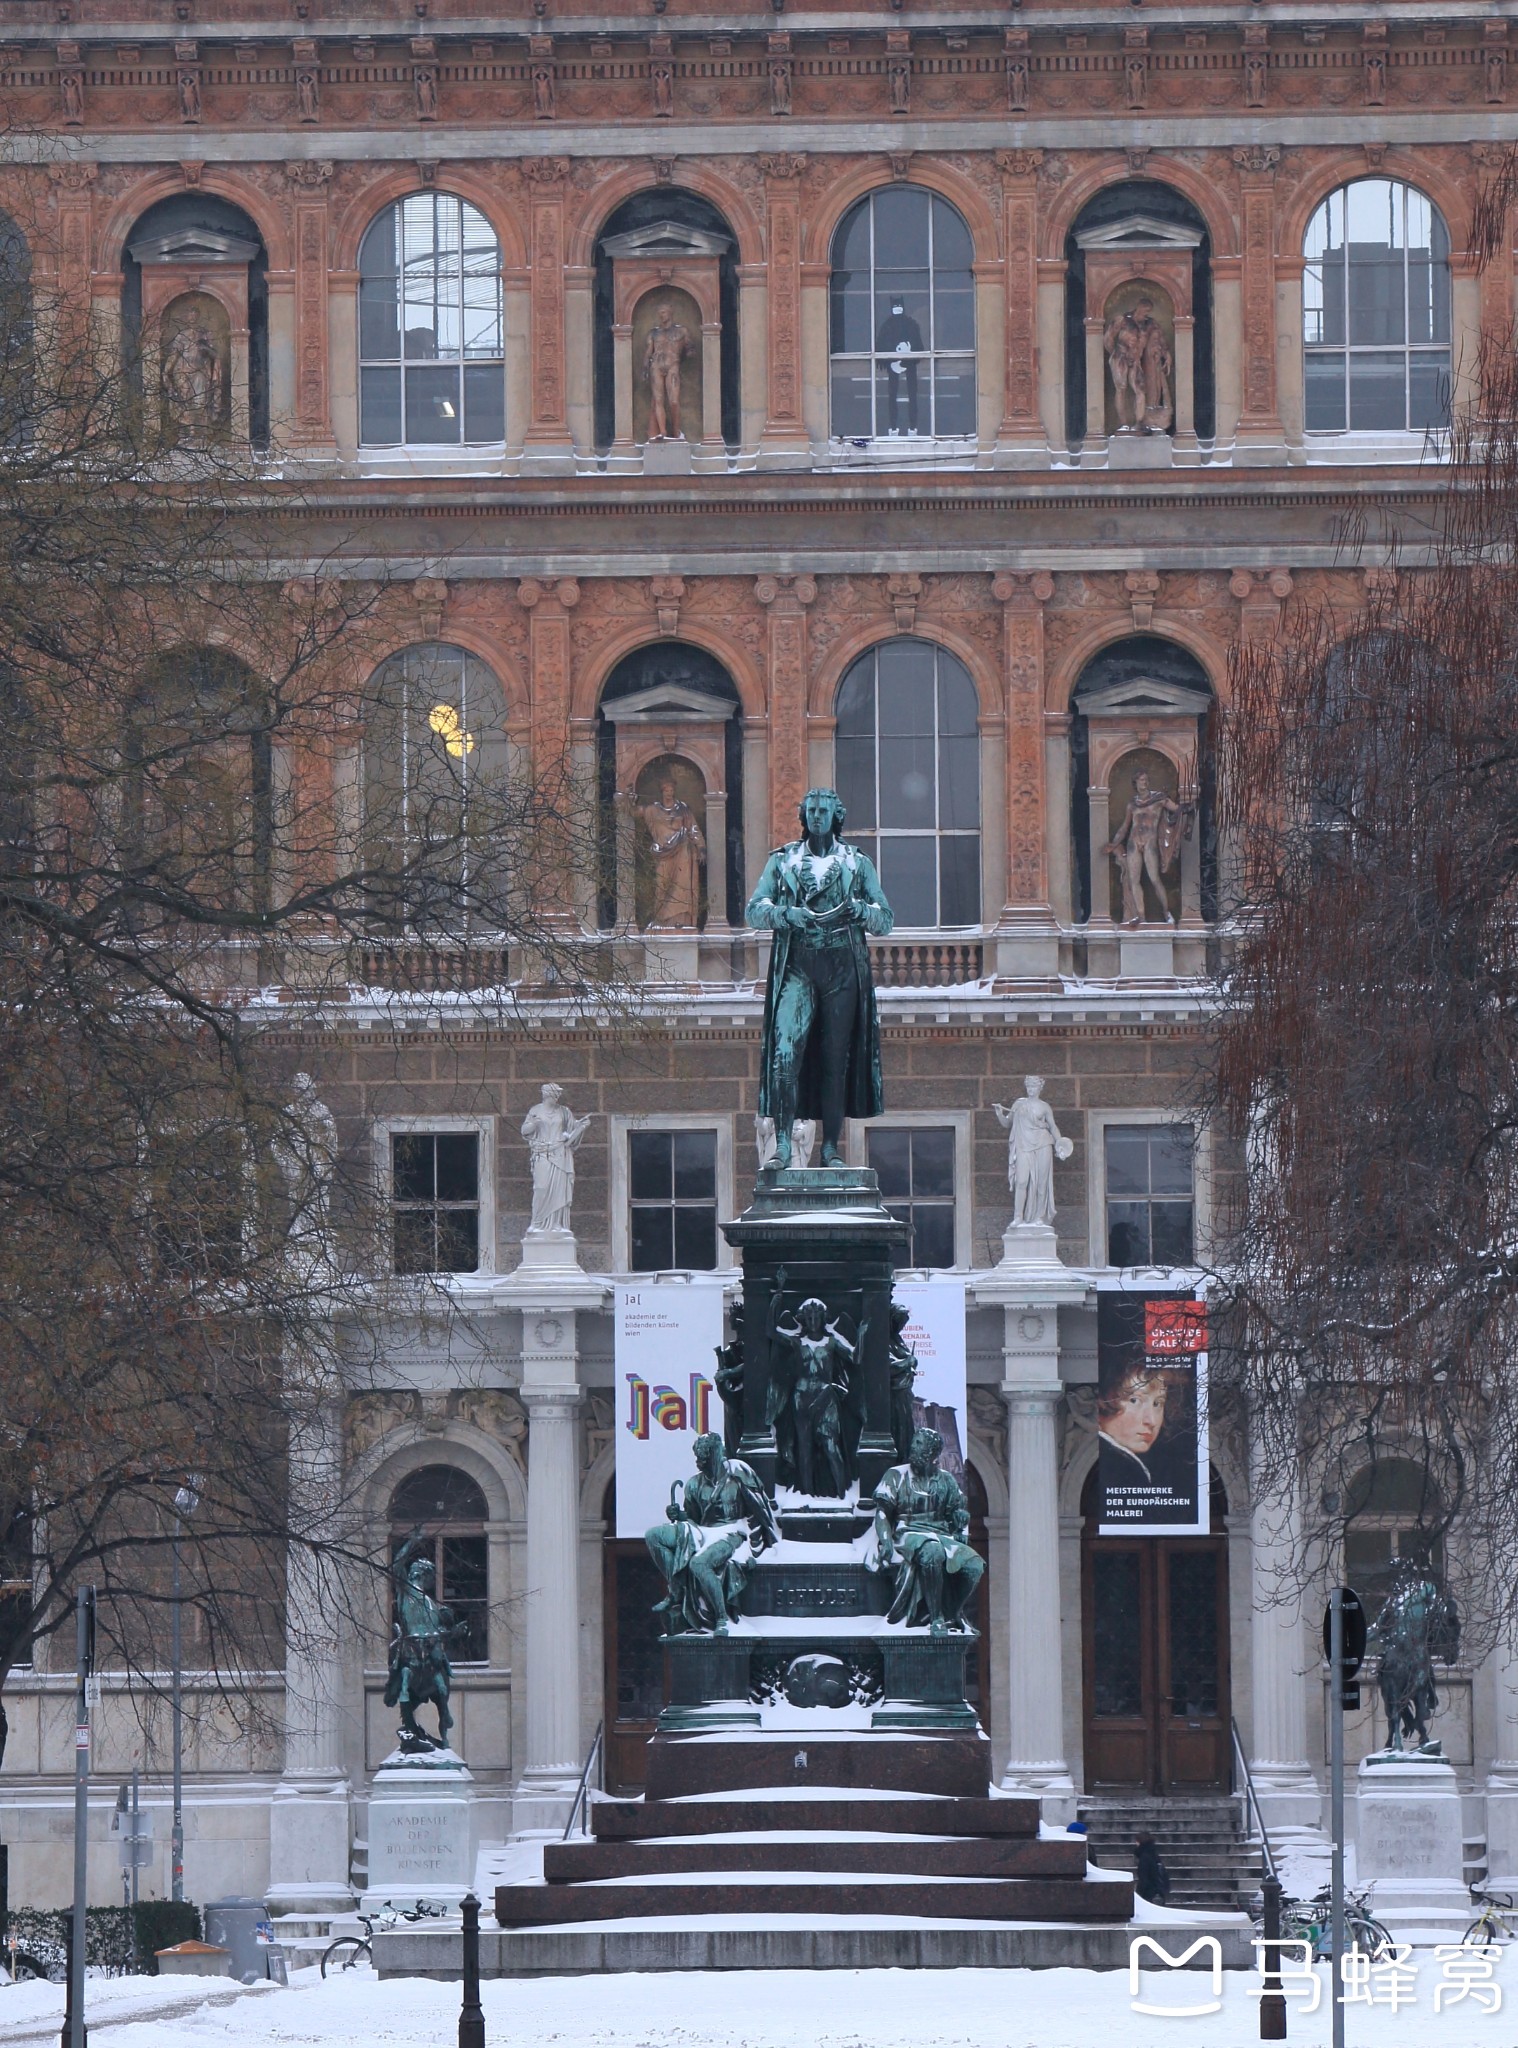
[[770, 2009]]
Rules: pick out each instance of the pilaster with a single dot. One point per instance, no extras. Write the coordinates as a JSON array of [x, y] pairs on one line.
[[1021, 441], [786, 598], [547, 446], [1283, 1776], [312, 423], [785, 444], [1261, 437], [1027, 943]]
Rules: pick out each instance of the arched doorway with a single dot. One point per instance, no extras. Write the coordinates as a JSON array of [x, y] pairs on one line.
[[1154, 1654], [633, 1652]]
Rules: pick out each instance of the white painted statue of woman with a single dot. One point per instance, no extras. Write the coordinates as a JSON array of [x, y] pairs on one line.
[[1033, 1144]]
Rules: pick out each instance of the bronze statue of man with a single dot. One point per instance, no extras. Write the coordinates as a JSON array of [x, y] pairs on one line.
[[922, 1523], [420, 1673], [1418, 1623], [706, 1545], [820, 1052]]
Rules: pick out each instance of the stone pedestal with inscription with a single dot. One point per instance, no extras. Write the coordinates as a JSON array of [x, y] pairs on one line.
[[423, 1831], [1409, 1845]]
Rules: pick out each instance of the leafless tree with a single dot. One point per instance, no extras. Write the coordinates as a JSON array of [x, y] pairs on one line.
[[1365, 1060], [216, 805]]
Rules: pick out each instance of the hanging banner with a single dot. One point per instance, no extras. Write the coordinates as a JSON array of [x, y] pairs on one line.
[[1151, 1414], [666, 1338], [935, 1330]]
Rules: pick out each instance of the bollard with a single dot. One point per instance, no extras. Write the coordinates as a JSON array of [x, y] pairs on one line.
[[1272, 1998], [68, 1986], [471, 2013]]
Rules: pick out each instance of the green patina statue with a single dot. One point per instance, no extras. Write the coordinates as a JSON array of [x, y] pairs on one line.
[[921, 1522], [811, 1360], [420, 1674], [820, 1052], [708, 1541], [902, 1360], [1418, 1623]]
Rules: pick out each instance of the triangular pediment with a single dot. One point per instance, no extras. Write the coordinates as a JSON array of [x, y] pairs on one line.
[[659, 703], [194, 246], [666, 238], [1139, 231], [1143, 696]]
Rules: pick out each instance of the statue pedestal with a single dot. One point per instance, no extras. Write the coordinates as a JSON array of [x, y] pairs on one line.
[[308, 1845], [1140, 451], [423, 1831], [550, 1251], [1030, 1244], [1409, 1844], [669, 457], [1147, 955]]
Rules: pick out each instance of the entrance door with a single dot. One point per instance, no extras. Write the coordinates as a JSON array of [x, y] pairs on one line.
[[1154, 1623], [634, 1654]]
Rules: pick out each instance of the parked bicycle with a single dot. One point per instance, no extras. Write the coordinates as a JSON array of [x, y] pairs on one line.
[[349, 1950], [1311, 1920], [1496, 1922]]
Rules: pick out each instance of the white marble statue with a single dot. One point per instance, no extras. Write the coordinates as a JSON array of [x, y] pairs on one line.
[[803, 1138], [306, 1153], [552, 1133], [1033, 1145]]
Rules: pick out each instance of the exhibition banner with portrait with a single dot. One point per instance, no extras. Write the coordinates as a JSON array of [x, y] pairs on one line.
[[667, 1333], [1151, 1414]]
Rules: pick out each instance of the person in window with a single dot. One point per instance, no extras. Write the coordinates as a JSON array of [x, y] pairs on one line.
[[900, 338]]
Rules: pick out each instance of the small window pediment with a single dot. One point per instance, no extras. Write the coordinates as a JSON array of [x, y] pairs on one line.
[[194, 245], [1139, 231], [666, 238], [1143, 694], [659, 702]]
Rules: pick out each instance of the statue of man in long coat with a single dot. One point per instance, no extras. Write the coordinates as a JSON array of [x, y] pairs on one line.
[[820, 1052]]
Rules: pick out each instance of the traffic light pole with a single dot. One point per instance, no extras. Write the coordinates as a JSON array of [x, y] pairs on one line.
[[84, 1664], [1336, 1797]]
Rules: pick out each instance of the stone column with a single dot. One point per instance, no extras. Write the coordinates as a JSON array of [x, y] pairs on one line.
[[711, 387], [550, 1662], [1502, 1780], [1036, 1765], [308, 1814], [1099, 831], [1185, 383], [1282, 1669], [1096, 394], [622, 385]]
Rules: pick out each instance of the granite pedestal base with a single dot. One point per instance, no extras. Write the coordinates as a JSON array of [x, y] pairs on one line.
[[423, 1833], [1409, 1845]]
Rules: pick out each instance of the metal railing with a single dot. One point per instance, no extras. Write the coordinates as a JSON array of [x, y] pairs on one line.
[[582, 1794], [1251, 1799]]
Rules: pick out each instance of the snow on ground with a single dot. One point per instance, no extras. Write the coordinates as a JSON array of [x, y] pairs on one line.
[[749, 2009]]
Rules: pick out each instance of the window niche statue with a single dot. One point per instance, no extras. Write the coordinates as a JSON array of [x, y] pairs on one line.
[[1145, 848], [669, 853], [195, 367]]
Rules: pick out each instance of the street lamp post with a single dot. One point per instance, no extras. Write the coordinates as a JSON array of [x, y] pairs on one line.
[[186, 1501]]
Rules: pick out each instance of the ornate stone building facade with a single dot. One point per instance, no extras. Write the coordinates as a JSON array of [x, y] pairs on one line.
[[1011, 371]]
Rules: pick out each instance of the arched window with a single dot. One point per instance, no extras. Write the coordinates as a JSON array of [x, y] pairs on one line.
[[1392, 1511], [902, 318], [907, 763], [16, 1586], [1376, 311], [450, 1511], [431, 362], [434, 773], [199, 812]]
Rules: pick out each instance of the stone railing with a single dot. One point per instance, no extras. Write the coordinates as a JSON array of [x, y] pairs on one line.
[[408, 965], [926, 963]]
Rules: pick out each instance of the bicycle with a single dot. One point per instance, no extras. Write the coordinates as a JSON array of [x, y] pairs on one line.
[[349, 1950], [1496, 1922], [1311, 1921]]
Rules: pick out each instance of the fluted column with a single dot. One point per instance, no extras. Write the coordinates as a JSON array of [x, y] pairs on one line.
[[1283, 1775], [1036, 1761], [308, 1815], [1502, 1781], [551, 1626]]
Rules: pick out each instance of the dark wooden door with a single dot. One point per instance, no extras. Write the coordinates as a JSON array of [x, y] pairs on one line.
[[1154, 1625], [635, 1661]]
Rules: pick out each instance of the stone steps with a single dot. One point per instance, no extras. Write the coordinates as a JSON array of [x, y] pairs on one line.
[[1021, 1898], [635, 1819], [1006, 1856], [1212, 1864]]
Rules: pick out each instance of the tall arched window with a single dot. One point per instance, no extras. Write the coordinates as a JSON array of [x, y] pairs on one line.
[[450, 1511], [907, 757], [434, 777], [1376, 311], [902, 318], [431, 362], [198, 816]]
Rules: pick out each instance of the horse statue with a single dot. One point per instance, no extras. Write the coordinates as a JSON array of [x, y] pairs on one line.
[[1418, 1623]]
